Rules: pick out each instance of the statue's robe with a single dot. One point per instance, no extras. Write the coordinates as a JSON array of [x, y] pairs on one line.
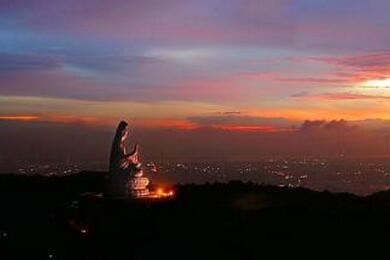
[[121, 168]]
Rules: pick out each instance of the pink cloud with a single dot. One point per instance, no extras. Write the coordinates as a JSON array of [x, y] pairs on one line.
[[310, 80], [377, 62], [341, 96], [280, 78], [360, 68]]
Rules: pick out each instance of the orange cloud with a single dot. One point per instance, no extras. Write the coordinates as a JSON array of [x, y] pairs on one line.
[[342, 96], [162, 123], [252, 128], [325, 112], [19, 118], [166, 123], [96, 121]]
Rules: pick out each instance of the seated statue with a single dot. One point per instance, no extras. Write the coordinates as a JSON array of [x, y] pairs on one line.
[[124, 167]]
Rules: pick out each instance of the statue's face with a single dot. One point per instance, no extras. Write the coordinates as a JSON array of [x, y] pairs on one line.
[[125, 133]]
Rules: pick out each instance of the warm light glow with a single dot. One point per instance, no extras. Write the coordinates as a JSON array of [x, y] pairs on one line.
[[162, 193], [159, 191], [380, 83], [19, 118], [166, 123], [252, 128]]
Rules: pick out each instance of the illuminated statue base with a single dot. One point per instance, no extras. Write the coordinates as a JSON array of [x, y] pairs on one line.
[[138, 188], [138, 185]]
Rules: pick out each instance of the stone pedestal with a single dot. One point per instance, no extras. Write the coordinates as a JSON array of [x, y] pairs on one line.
[[138, 185]]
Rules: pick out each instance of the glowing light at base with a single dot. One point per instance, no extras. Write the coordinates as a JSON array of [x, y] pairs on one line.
[[160, 193]]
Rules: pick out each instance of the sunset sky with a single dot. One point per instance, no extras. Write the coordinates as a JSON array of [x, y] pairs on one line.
[[236, 66]]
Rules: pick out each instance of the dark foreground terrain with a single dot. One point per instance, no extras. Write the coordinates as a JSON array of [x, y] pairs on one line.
[[54, 218]]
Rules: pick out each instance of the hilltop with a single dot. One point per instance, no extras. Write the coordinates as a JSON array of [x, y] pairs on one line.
[[64, 217]]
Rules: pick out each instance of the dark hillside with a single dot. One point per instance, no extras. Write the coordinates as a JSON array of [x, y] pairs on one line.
[[65, 218]]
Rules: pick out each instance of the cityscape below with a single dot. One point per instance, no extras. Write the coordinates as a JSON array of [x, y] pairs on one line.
[[358, 176]]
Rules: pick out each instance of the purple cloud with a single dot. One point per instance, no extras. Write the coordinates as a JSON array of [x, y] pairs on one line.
[[334, 125], [18, 62]]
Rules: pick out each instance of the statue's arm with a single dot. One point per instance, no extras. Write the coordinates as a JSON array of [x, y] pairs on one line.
[[134, 152], [133, 156]]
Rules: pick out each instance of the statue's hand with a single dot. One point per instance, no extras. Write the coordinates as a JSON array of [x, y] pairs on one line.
[[124, 164], [133, 156]]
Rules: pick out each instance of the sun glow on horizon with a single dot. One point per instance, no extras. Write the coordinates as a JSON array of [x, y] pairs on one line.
[[379, 83]]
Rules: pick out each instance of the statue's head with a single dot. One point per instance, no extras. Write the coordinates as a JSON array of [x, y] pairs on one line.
[[122, 130]]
